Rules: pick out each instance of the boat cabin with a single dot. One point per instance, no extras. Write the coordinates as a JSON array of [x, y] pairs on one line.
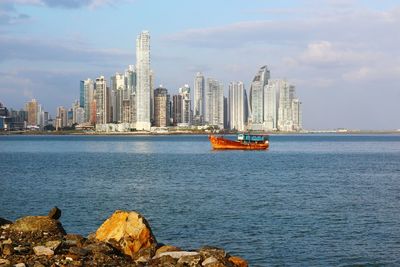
[[253, 138]]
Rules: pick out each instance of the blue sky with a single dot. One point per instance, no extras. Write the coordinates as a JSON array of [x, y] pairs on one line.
[[342, 55]]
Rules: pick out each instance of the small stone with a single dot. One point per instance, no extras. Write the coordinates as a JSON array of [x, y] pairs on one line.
[[5, 263], [208, 251], [2, 237], [167, 248], [69, 259], [19, 265], [74, 240], [164, 261], [38, 264], [53, 245], [209, 261], [38, 224], [22, 250], [177, 254], [8, 241], [239, 262], [100, 248], [8, 250], [4, 222], [42, 250], [54, 213], [78, 251]]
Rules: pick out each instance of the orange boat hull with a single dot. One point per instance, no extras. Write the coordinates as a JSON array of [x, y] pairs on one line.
[[220, 143]]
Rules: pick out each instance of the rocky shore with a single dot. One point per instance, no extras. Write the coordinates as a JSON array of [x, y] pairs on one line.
[[124, 239]]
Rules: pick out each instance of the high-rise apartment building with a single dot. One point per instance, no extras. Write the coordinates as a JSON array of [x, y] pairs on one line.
[[177, 109], [214, 96], [161, 107], [143, 94], [199, 99], [32, 108], [257, 97], [186, 112], [102, 101], [271, 104], [61, 118], [237, 104], [89, 98]]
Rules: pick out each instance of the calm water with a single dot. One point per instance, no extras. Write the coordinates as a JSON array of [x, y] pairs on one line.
[[310, 200]]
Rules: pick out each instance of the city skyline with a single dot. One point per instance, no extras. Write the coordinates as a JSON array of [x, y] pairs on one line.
[[344, 80]]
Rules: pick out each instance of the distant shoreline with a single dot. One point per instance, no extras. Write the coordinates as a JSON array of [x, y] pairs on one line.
[[138, 133]]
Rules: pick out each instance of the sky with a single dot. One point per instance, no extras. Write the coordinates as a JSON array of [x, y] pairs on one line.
[[343, 56]]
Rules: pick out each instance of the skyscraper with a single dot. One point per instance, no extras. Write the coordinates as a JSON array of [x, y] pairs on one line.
[[143, 94], [177, 109], [89, 98], [237, 106], [161, 107], [257, 97], [214, 111], [32, 108], [271, 104], [102, 102], [199, 89], [186, 105]]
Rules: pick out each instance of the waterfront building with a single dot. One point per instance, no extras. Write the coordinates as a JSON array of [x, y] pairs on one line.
[[102, 101], [214, 111], [82, 93], [119, 94], [61, 118], [32, 108], [271, 104], [285, 122], [161, 107], [177, 109], [186, 106], [260, 80], [152, 87], [89, 98], [143, 94], [199, 99], [296, 114], [237, 106]]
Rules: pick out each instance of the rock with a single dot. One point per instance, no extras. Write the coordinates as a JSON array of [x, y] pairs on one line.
[[78, 251], [164, 261], [100, 247], [167, 248], [53, 245], [4, 263], [190, 260], [8, 250], [38, 224], [42, 250], [38, 264], [22, 250], [74, 240], [209, 261], [21, 264], [8, 241], [54, 213], [145, 254], [127, 231], [237, 261], [177, 254], [208, 251], [4, 222]]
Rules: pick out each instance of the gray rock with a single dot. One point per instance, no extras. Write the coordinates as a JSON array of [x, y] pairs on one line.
[[191, 261], [53, 245], [177, 254], [39, 224], [209, 261], [54, 213], [19, 265], [42, 250]]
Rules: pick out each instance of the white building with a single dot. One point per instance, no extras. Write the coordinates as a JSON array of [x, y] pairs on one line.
[[271, 104], [89, 97], [237, 106], [257, 98], [214, 111], [199, 89], [186, 113], [102, 101], [143, 90]]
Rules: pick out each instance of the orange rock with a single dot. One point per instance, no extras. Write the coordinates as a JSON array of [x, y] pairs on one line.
[[127, 231], [239, 262]]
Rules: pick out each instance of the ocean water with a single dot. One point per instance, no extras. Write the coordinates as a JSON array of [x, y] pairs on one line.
[[311, 200]]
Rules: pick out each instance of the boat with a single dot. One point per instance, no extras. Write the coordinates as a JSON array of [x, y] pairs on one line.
[[243, 142]]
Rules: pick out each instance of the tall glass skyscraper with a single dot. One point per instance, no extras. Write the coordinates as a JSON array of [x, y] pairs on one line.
[[237, 106], [143, 89], [199, 89], [257, 97]]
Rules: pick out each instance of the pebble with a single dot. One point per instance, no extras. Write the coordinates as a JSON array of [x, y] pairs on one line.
[[19, 265], [42, 250], [177, 254]]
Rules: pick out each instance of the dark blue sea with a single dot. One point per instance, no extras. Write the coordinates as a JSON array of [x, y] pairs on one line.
[[311, 200]]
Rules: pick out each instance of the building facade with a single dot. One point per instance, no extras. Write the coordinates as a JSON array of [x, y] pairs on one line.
[[199, 99], [161, 107]]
